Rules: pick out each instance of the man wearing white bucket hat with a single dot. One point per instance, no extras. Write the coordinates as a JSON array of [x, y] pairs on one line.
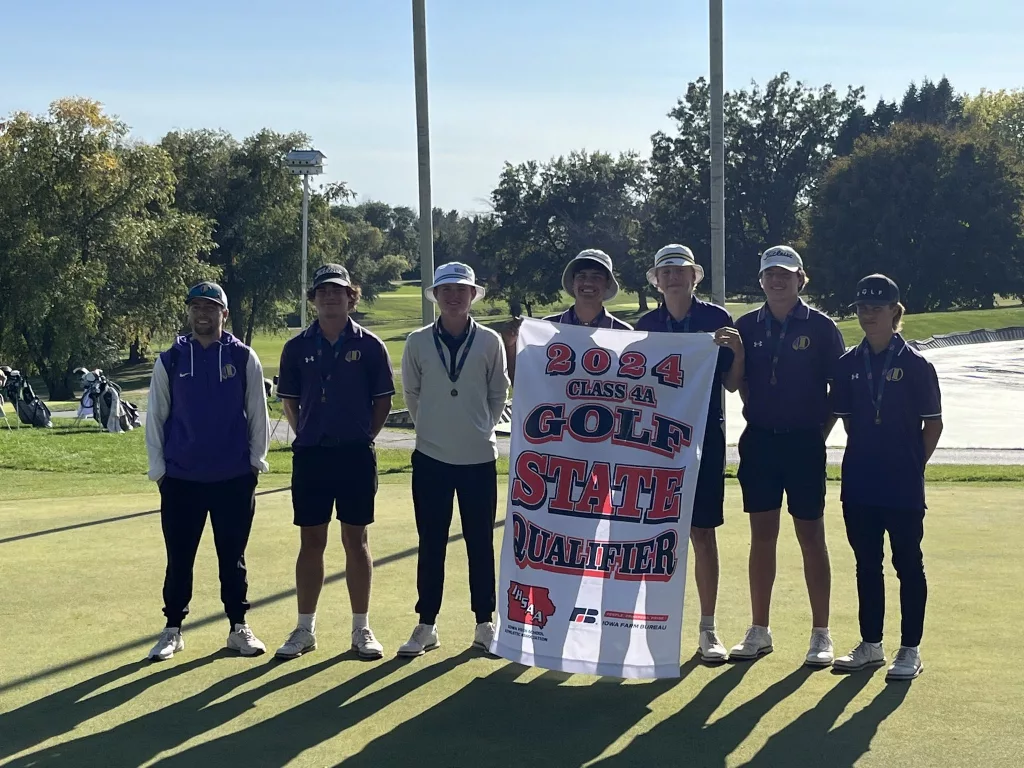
[[676, 275], [590, 280], [455, 380]]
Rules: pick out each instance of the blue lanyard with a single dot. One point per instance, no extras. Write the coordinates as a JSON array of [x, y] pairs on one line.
[[453, 370], [778, 344], [595, 323], [325, 375], [876, 400]]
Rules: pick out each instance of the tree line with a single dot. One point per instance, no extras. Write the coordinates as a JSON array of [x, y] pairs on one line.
[[100, 233]]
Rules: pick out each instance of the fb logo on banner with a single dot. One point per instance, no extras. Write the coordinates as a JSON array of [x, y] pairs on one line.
[[583, 615]]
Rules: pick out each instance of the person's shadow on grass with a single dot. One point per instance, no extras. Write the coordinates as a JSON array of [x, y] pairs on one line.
[[281, 738], [62, 711], [811, 740], [136, 741], [497, 721], [685, 738]]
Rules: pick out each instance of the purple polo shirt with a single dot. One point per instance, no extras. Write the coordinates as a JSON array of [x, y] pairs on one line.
[[807, 357], [347, 375], [884, 463], [603, 320], [703, 317]]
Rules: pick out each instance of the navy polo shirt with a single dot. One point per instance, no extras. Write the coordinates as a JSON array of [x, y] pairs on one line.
[[603, 320], [335, 384], [884, 463], [807, 358], [703, 317]]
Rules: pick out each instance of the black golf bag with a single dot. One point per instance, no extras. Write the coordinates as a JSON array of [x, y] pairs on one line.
[[31, 410], [101, 398]]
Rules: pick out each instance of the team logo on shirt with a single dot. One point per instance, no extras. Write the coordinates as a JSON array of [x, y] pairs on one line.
[[228, 371], [894, 374], [352, 355], [801, 342]]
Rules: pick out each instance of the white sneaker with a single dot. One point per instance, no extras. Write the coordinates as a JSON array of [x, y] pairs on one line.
[[906, 666], [300, 641], [483, 636], [365, 644], [168, 644], [757, 643], [710, 647], [424, 638], [242, 639], [864, 655], [820, 654]]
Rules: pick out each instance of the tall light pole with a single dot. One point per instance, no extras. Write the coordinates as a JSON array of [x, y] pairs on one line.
[[419, 48], [717, 155], [304, 163]]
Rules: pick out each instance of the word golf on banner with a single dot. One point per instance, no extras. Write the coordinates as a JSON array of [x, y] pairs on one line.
[[607, 429]]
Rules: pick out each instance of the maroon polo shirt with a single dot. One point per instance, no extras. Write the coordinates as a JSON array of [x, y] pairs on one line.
[[807, 357], [335, 384]]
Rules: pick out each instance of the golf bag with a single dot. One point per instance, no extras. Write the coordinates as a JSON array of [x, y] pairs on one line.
[[31, 410], [102, 398]]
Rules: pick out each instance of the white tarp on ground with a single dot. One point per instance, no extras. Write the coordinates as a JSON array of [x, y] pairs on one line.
[[982, 397]]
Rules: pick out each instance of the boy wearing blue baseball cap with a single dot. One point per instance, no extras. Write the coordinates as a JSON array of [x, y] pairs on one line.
[[887, 395]]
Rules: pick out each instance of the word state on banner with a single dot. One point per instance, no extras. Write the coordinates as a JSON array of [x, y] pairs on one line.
[[607, 429]]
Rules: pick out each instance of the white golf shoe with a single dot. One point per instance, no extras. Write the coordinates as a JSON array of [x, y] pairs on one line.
[[424, 638], [169, 643]]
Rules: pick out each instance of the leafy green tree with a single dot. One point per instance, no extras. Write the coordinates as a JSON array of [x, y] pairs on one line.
[[1001, 115], [939, 211], [93, 255]]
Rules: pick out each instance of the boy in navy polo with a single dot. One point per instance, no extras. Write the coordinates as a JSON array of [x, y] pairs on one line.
[[888, 397], [792, 351], [590, 280], [336, 385], [676, 275], [207, 433]]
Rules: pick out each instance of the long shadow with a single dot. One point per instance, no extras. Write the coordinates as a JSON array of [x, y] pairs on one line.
[[810, 740], [65, 709], [104, 521], [686, 738], [280, 739], [137, 741], [143, 641], [496, 721]]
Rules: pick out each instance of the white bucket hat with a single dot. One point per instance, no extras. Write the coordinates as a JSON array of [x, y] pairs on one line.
[[781, 256], [600, 258], [675, 255], [454, 272]]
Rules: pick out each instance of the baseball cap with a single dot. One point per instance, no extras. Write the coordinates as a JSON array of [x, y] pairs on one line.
[[674, 255], [454, 272], [781, 256], [596, 258], [876, 289], [329, 273], [207, 290]]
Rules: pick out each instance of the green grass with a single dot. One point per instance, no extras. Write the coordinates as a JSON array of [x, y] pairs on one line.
[[85, 582]]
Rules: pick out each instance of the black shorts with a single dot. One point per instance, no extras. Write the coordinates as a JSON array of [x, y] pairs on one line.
[[343, 477], [709, 498], [772, 462]]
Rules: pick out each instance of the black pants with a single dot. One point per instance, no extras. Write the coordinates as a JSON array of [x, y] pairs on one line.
[[865, 529], [183, 508], [434, 486]]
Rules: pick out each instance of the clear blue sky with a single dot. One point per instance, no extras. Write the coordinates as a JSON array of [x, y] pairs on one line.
[[509, 81]]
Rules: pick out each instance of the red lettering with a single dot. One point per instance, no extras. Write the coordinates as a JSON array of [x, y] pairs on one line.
[[632, 480], [529, 489], [566, 473], [666, 504], [597, 493]]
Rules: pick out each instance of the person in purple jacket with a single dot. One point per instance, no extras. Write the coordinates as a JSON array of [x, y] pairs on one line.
[[887, 395], [676, 274], [207, 434], [791, 354]]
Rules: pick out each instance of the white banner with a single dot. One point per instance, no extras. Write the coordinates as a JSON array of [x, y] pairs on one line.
[[607, 429]]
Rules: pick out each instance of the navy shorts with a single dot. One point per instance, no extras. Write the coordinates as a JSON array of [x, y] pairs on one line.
[[709, 497], [774, 462], [342, 478]]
